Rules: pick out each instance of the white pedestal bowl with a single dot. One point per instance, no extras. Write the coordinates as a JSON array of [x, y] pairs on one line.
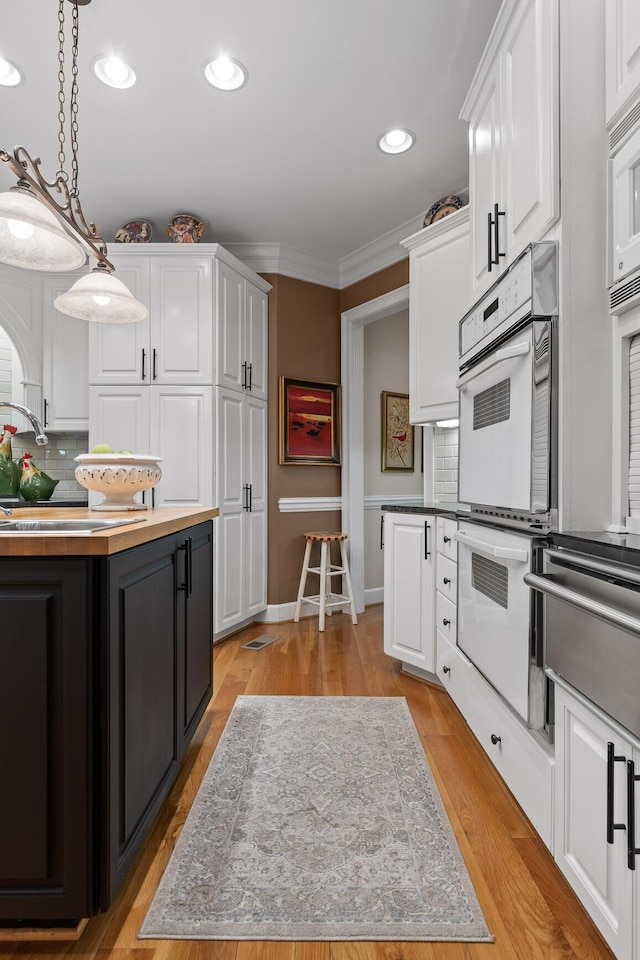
[[118, 476]]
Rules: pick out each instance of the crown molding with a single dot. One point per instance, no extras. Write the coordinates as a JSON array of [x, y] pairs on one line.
[[377, 255], [286, 261]]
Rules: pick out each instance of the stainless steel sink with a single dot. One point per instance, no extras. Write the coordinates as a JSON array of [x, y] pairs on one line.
[[63, 526]]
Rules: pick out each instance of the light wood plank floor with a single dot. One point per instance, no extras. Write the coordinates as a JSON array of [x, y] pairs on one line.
[[529, 907]]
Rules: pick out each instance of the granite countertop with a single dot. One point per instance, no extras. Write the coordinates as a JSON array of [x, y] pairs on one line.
[[444, 507], [151, 524], [620, 548]]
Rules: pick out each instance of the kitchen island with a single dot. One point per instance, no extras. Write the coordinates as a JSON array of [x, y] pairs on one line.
[[106, 667]]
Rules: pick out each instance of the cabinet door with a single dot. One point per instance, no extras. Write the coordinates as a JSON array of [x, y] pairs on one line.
[[256, 342], [597, 870], [623, 55], [438, 297], [181, 432], [181, 320], [529, 113], [230, 328], [409, 589], [625, 171], [119, 416], [255, 472], [230, 565], [485, 185], [45, 718], [195, 618], [65, 359], [121, 352]]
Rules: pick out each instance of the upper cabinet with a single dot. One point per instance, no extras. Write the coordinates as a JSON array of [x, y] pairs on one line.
[[241, 322], [623, 56], [512, 109], [65, 387], [439, 296]]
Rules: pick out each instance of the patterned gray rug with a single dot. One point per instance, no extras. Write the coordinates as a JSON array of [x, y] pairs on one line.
[[318, 819]]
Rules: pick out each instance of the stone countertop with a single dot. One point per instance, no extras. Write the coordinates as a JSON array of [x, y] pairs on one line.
[[619, 548], [151, 524], [444, 507]]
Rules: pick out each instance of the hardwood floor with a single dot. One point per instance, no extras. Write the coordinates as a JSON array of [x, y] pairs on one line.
[[528, 905]]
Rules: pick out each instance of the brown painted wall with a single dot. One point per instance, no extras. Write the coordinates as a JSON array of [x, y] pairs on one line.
[[304, 343]]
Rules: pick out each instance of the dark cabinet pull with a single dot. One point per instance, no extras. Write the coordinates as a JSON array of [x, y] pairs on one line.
[[445, 622], [495, 739], [611, 759], [154, 357], [446, 669], [496, 220], [382, 532], [244, 375], [46, 405], [153, 497], [446, 539], [250, 486], [446, 580], [144, 357], [632, 850], [427, 552]]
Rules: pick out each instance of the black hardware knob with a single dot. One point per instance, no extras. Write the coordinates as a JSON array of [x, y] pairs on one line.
[[495, 739], [446, 622], [446, 580], [447, 539], [446, 669]]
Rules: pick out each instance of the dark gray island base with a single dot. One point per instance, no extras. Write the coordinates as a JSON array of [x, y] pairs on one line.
[[106, 666]]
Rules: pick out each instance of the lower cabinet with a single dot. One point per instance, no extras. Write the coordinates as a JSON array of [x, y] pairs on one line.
[[109, 663], [594, 814], [409, 546]]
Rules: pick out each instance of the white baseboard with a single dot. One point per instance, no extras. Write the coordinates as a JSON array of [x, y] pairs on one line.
[[373, 595]]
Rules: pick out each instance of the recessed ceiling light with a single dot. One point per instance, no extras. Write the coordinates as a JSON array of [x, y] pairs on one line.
[[10, 76], [226, 74], [396, 141], [115, 72]]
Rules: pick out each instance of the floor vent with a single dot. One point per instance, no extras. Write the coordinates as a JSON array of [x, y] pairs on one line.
[[259, 642]]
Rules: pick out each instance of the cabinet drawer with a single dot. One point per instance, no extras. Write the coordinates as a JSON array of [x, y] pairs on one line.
[[446, 617], [445, 532], [524, 764], [452, 668], [447, 578]]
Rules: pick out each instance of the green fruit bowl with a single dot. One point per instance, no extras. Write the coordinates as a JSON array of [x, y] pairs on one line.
[[119, 477]]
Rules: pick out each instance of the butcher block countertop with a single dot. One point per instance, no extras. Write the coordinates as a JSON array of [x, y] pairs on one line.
[[152, 524]]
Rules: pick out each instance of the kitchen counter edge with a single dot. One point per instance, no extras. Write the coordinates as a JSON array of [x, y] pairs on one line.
[[619, 548], [439, 508]]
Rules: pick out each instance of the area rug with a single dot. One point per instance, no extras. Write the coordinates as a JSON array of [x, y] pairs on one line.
[[317, 819]]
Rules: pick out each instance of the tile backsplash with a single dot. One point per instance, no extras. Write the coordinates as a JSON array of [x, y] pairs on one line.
[[56, 459], [445, 463]]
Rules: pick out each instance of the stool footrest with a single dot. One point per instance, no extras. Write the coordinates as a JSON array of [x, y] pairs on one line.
[[333, 571], [337, 602]]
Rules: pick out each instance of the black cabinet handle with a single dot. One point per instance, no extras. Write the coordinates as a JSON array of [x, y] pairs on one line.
[[144, 357], [446, 669], [495, 739], [427, 552], [497, 213], [382, 532], [45, 408], [153, 497], [446, 580], [632, 850], [445, 622], [250, 485], [611, 759], [154, 357], [244, 375], [446, 539]]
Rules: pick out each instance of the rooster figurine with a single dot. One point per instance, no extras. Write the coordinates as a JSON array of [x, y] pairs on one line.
[[34, 483], [9, 470]]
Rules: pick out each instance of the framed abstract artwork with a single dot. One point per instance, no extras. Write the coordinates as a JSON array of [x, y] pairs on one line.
[[397, 432], [309, 422]]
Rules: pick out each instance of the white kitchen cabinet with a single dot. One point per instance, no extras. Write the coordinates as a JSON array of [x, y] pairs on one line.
[[173, 422], [596, 869], [625, 207], [512, 108], [439, 296], [174, 345], [241, 325], [65, 387], [623, 56], [241, 497], [409, 567]]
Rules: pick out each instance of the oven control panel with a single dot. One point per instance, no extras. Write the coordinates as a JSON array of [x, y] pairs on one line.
[[529, 284]]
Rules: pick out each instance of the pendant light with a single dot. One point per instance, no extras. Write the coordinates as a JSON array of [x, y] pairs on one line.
[[42, 224]]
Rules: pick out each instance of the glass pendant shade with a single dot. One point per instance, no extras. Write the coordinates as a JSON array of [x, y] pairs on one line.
[[32, 237], [101, 297]]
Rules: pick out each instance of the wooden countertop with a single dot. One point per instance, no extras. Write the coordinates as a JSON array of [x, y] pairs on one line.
[[153, 523]]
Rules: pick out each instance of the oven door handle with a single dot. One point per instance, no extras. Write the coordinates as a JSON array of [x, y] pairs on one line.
[[547, 585], [500, 553], [506, 353]]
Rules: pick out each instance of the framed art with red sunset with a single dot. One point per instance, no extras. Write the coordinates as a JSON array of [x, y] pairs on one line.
[[309, 422]]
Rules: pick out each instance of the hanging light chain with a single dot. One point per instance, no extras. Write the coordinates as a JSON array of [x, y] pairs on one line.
[[74, 103], [61, 93]]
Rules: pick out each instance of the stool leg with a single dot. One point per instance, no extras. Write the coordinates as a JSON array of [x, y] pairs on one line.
[[303, 580], [323, 584], [347, 577], [329, 610]]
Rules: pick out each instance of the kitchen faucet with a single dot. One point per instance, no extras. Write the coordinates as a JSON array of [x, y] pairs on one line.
[[41, 437]]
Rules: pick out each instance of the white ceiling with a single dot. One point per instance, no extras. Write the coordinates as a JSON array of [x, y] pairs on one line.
[[291, 158]]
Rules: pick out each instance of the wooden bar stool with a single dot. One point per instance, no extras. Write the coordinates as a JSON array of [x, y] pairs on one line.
[[325, 599]]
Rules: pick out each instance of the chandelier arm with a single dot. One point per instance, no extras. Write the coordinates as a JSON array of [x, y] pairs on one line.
[[68, 212]]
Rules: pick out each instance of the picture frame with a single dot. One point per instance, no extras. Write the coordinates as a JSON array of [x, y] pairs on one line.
[[309, 423], [398, 447]]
